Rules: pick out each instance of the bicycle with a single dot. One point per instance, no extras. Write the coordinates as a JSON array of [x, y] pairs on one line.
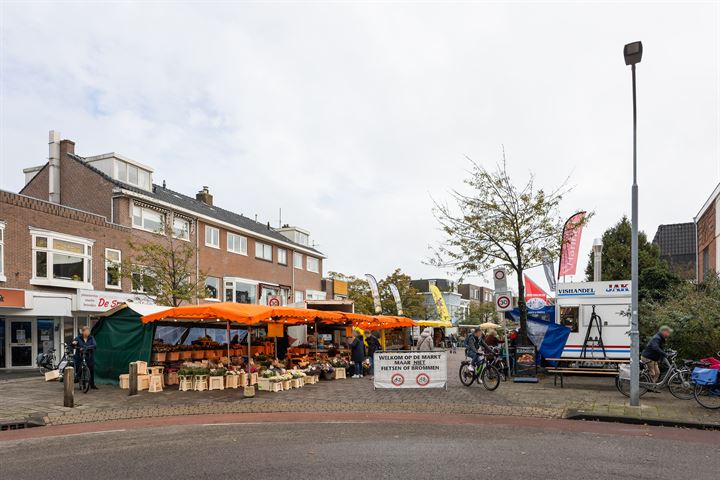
[[484, 373], [46, 361], [677, 379], [708, 394], [84, 383]]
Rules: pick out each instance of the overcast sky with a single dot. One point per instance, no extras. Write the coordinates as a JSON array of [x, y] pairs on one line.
[[352, 117]]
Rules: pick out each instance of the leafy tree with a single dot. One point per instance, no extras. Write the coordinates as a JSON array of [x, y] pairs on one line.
[[692, 312], [359, 292], [480, 313], [165, 270], [499, 223], [654, 275]]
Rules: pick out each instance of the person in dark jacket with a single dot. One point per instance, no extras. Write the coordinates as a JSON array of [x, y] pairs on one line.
[[373, 346], [473, 345], [85, 343], [357, 354], [655, 352]]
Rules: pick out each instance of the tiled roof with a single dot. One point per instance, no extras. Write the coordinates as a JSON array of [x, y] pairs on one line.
[[166, 195], [676, 239]]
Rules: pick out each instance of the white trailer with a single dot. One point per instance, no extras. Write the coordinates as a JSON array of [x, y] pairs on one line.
[[607, 335]]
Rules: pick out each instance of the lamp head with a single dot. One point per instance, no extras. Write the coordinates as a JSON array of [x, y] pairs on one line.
[[633, 53]]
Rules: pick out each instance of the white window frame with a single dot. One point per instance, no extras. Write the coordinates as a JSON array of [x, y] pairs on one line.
[[50, 251], [141, 226], [243, 243], [2, 252], [109, 263], [316, 264], [264, 254], [141, 270], [220, 289], [215, 233], [297, 256], [300, 294], [284, 253], [186, 236]]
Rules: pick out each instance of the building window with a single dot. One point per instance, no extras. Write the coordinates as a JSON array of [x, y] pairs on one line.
[[706, 262], [313, 264], [147, 219], [112, 268], [263, 251], [236, 243], [2, 251], [143, 281], [315, 294], [303, 238], [299, 296], [181, 228], [61, 260], [133, 175], [282, 256], [212, 237], [240, 291], [212, 288], [298, 260], [569, 317]]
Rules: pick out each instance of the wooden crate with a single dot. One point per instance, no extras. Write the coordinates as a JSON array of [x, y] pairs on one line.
[[339, 373], [242, 380], [296, 383], [286, 384], [216, 383], [185, 383], [52, 375], [231, 381], [263, 384], [143, 382], [125, 381], [276, 386], [156, 384], [173, 356], [171, 378], [248, 391], [253, 378], [141, 367], [309, 380]]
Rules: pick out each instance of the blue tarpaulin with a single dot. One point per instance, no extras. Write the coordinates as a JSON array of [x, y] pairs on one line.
[[549, 337]]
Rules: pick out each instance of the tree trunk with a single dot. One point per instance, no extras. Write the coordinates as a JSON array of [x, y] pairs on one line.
[[522, 306]]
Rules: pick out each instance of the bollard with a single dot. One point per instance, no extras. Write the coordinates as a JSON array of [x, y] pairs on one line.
[[69, 387], [133, 380]]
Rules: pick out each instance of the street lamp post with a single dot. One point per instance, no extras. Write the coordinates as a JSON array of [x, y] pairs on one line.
[[633, 54]]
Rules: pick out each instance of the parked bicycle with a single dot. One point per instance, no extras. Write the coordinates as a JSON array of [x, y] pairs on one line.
[[677, 379], [484, 373], [84, 377], [46, 361], [707, 386]]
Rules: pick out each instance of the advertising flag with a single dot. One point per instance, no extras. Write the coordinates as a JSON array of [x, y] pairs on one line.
[[549, 267], [440, 306], [535, 297], [374, 291], [396, 295], [572, 232]]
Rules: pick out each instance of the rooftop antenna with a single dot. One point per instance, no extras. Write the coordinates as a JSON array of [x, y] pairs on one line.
[[280, 218]]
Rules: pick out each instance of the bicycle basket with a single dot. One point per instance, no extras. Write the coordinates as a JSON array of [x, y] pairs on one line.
[[705, 376]]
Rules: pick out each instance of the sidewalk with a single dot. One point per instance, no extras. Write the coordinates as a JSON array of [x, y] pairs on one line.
[[24, 398]]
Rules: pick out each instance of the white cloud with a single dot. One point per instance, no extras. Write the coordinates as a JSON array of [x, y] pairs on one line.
[[349, 117]]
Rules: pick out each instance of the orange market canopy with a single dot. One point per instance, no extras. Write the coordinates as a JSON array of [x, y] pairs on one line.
[[249, 314]]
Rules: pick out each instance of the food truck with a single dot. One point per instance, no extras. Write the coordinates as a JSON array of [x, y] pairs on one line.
[[598, 315]]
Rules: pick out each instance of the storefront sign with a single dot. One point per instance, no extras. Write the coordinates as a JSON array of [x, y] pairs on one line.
[[410, 370], [99, 301], [12, 298]]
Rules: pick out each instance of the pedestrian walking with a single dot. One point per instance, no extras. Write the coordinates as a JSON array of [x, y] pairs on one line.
[[373, 346], [357, 354], [426, 340], [453, 343]]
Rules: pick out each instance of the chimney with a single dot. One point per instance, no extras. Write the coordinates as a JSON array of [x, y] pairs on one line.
[[54, 167], [204, 196]]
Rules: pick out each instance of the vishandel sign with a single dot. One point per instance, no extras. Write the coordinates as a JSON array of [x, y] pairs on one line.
[[617, 288]]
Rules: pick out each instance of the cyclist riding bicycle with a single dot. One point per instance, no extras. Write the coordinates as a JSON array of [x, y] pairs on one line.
[[85, 343], [475, 346], [655, 352]]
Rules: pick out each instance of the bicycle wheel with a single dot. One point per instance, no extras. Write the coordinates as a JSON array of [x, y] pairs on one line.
[[623, 385], [708, 396], [490, 377], [467, 374], [85, 379], [680, 385]]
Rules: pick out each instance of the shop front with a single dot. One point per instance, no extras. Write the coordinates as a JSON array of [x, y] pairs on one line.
[[30, 323]]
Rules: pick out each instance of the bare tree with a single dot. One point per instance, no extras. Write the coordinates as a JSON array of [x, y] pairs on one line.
[[499, 224]]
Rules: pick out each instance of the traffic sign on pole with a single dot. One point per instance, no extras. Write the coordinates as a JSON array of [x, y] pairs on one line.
[[500, 278], [503, 301]]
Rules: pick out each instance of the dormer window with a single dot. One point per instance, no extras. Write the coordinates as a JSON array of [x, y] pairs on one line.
[[133, 175]]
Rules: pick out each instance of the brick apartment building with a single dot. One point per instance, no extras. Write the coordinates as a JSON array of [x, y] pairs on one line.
[[707, 226], [62, 235], [475, 293], [678, 247]]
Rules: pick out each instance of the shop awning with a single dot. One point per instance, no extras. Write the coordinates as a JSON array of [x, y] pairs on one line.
[[244, 314]]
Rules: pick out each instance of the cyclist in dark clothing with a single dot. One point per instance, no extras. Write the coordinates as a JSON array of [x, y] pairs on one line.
[[474, 346], [85, 343], [655, 352]]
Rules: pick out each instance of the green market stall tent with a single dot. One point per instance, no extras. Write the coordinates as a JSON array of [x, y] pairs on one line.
[[121, 338]]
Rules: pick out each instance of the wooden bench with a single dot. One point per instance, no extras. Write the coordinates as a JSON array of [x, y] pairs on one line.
[[561, 371]]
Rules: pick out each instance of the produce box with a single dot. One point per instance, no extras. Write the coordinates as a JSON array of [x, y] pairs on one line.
[[171, 378], [143, 382], [339, 373], [52, 375], [141, 367], [125, 381], [263, 384], [216, 383]]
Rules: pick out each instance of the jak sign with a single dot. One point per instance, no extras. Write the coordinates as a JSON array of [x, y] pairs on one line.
[[410, 370]]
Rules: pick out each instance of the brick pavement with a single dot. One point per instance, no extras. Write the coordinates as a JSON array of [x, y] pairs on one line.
[[22, 398]]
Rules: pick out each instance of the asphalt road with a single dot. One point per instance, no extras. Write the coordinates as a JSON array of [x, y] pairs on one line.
[[348, 450]]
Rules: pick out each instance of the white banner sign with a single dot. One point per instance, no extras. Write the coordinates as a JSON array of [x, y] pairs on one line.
[[101, 301], [410, 370]]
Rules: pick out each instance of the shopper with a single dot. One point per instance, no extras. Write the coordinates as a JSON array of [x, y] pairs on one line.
[[373, 346], [426, 340], [357, 354], [85, 343], [491, 338]]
